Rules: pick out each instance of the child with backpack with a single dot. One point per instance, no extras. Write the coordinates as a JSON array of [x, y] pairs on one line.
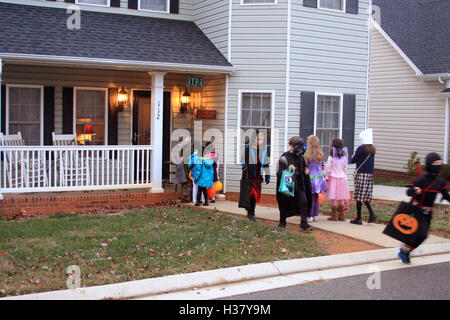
[[202, 173], [336, 174]]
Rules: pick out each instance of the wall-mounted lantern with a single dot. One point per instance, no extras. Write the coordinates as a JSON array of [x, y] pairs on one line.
[[122, 99], [185, 101]]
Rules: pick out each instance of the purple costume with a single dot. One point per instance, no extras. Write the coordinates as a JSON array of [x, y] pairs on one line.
[[318, 184]]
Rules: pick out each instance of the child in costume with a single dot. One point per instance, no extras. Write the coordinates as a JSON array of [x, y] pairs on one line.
[[314, 158], [364, 158], [424, 191], [336, 174], [202, 174]]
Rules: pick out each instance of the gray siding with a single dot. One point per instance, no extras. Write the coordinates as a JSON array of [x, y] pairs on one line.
[[258, 52], [211, 16], [329, 52]]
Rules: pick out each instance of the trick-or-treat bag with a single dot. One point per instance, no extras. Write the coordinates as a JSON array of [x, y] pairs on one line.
[[287, 183], [409, 225]]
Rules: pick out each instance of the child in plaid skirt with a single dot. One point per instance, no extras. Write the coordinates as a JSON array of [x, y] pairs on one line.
[[364, 158]]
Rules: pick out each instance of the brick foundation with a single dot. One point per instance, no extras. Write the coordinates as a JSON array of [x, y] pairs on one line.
[[28, 205], [392, 175]]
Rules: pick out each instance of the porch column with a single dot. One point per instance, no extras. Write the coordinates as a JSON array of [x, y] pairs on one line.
[[156, 165]]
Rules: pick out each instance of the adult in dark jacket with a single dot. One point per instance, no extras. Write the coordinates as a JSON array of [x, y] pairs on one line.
[[301, 203], [256, 164], [424, 191]]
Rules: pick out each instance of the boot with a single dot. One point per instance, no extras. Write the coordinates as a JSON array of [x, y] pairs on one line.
[[251, 216], [341, 213], [334, 214]]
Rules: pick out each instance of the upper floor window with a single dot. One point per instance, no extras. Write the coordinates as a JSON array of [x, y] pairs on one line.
[[337, 5], [104, 3], [258, 1], [154, 5], [328, 124]]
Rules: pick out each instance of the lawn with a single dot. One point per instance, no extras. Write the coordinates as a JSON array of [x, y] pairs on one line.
[[392, 183], [139, 244], [385, 210]]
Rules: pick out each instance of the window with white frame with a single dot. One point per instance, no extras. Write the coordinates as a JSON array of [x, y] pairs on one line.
[[258, 1], [94, 2], [25, 109], [90, 106], [328, 120], [256, 117], [338, 5], [154, 5]]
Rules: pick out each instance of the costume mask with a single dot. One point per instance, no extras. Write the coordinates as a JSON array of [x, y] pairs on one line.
[[299, 147], [429, 167], [366, 137]]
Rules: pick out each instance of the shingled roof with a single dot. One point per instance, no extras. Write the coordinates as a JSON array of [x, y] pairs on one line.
[[36, 30], [421, 29]]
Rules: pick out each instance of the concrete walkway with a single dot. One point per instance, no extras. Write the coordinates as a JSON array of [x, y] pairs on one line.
[[368, 232], [389, 193]]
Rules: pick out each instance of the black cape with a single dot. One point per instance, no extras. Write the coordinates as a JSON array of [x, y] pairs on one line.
[[301, 203]]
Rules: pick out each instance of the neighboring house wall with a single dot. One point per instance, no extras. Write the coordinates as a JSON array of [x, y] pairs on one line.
[[329, 52], [406, 114], [258, 52], [211, 16]]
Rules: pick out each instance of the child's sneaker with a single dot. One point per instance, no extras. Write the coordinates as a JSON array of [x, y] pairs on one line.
[[315, 219], [404, 256], [310, 219], [346, 209]]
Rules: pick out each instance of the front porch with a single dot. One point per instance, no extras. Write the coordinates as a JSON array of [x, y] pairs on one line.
[[115, 148]]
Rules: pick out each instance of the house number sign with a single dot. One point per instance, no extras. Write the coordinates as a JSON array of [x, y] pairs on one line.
[[194, 82]]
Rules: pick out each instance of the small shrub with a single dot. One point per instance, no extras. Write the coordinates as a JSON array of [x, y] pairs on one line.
[[412, 171]]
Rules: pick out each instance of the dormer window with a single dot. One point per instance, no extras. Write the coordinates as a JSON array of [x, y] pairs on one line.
[[102, 3], [154, 5], [337, 5]]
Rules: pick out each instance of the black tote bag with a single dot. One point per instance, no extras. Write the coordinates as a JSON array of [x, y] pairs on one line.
[[409, 224], [244, 194]]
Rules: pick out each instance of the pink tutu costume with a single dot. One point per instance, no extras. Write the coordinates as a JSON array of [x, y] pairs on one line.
[[336, 173]]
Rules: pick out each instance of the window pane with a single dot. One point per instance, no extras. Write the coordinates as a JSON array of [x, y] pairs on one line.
[[327, 122], [25, 113], [259, 1], [157, 5], [332, 4], [246, 101], [256, 118], [90, 110], [100, 2]]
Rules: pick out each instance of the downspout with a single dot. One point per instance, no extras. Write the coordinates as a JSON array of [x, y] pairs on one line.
[[1, 73], [447, 114], [366, 124], [288, 70], [225, 152]]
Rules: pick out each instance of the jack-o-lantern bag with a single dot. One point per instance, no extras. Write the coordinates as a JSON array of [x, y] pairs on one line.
[[409, 224]]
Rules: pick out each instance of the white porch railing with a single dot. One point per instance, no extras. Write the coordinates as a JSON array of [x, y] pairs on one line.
[[71, 168]]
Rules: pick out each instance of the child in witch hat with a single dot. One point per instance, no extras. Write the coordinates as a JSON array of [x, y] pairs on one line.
[[424, 191]]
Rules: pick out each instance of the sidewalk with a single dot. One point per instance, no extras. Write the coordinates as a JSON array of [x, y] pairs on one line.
[[389, 193], [368, 232]]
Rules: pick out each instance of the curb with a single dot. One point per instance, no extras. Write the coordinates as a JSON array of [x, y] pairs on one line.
[[155, 286]]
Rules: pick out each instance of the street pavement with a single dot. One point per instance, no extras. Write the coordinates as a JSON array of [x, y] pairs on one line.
[[430, 282]]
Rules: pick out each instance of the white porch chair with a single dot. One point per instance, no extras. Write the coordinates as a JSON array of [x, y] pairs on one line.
[[23, 168], [73, 168]]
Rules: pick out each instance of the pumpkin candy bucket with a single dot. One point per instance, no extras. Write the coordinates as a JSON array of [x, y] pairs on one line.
[[211, 192]]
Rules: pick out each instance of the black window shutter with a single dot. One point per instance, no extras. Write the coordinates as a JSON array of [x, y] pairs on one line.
[[68, 111], [307, 114], [115, 3], [70, 1], [133, 4], [112, 116], [348, 122], [49, 115], [3, 109], [310, 3], [174, 6], [352, 6]]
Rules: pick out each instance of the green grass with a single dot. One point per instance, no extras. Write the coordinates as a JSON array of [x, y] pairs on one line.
[[393, 183], [385, 210], [35, 253]]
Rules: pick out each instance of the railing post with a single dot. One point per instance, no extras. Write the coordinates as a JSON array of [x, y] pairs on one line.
[[156, 165], [1, 72]]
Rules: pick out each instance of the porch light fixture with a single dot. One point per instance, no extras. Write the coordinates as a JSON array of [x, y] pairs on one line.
[[185, 101], [123, 99]]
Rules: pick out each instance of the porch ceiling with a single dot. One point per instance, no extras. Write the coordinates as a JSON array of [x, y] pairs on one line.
[[39, 35]]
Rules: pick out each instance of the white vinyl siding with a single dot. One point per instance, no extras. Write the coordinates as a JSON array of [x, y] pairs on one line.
[[259, 2], [406, 113]]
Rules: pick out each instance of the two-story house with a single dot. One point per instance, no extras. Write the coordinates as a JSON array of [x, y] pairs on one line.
[[126, 79]]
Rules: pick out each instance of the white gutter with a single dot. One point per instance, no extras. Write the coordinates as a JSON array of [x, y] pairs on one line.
[[369, 37], [435, 77], [446, 132], [111, 63], [230, 13], [288, 76]]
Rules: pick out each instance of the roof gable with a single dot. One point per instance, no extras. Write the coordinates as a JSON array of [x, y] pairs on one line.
[[420, 29]]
